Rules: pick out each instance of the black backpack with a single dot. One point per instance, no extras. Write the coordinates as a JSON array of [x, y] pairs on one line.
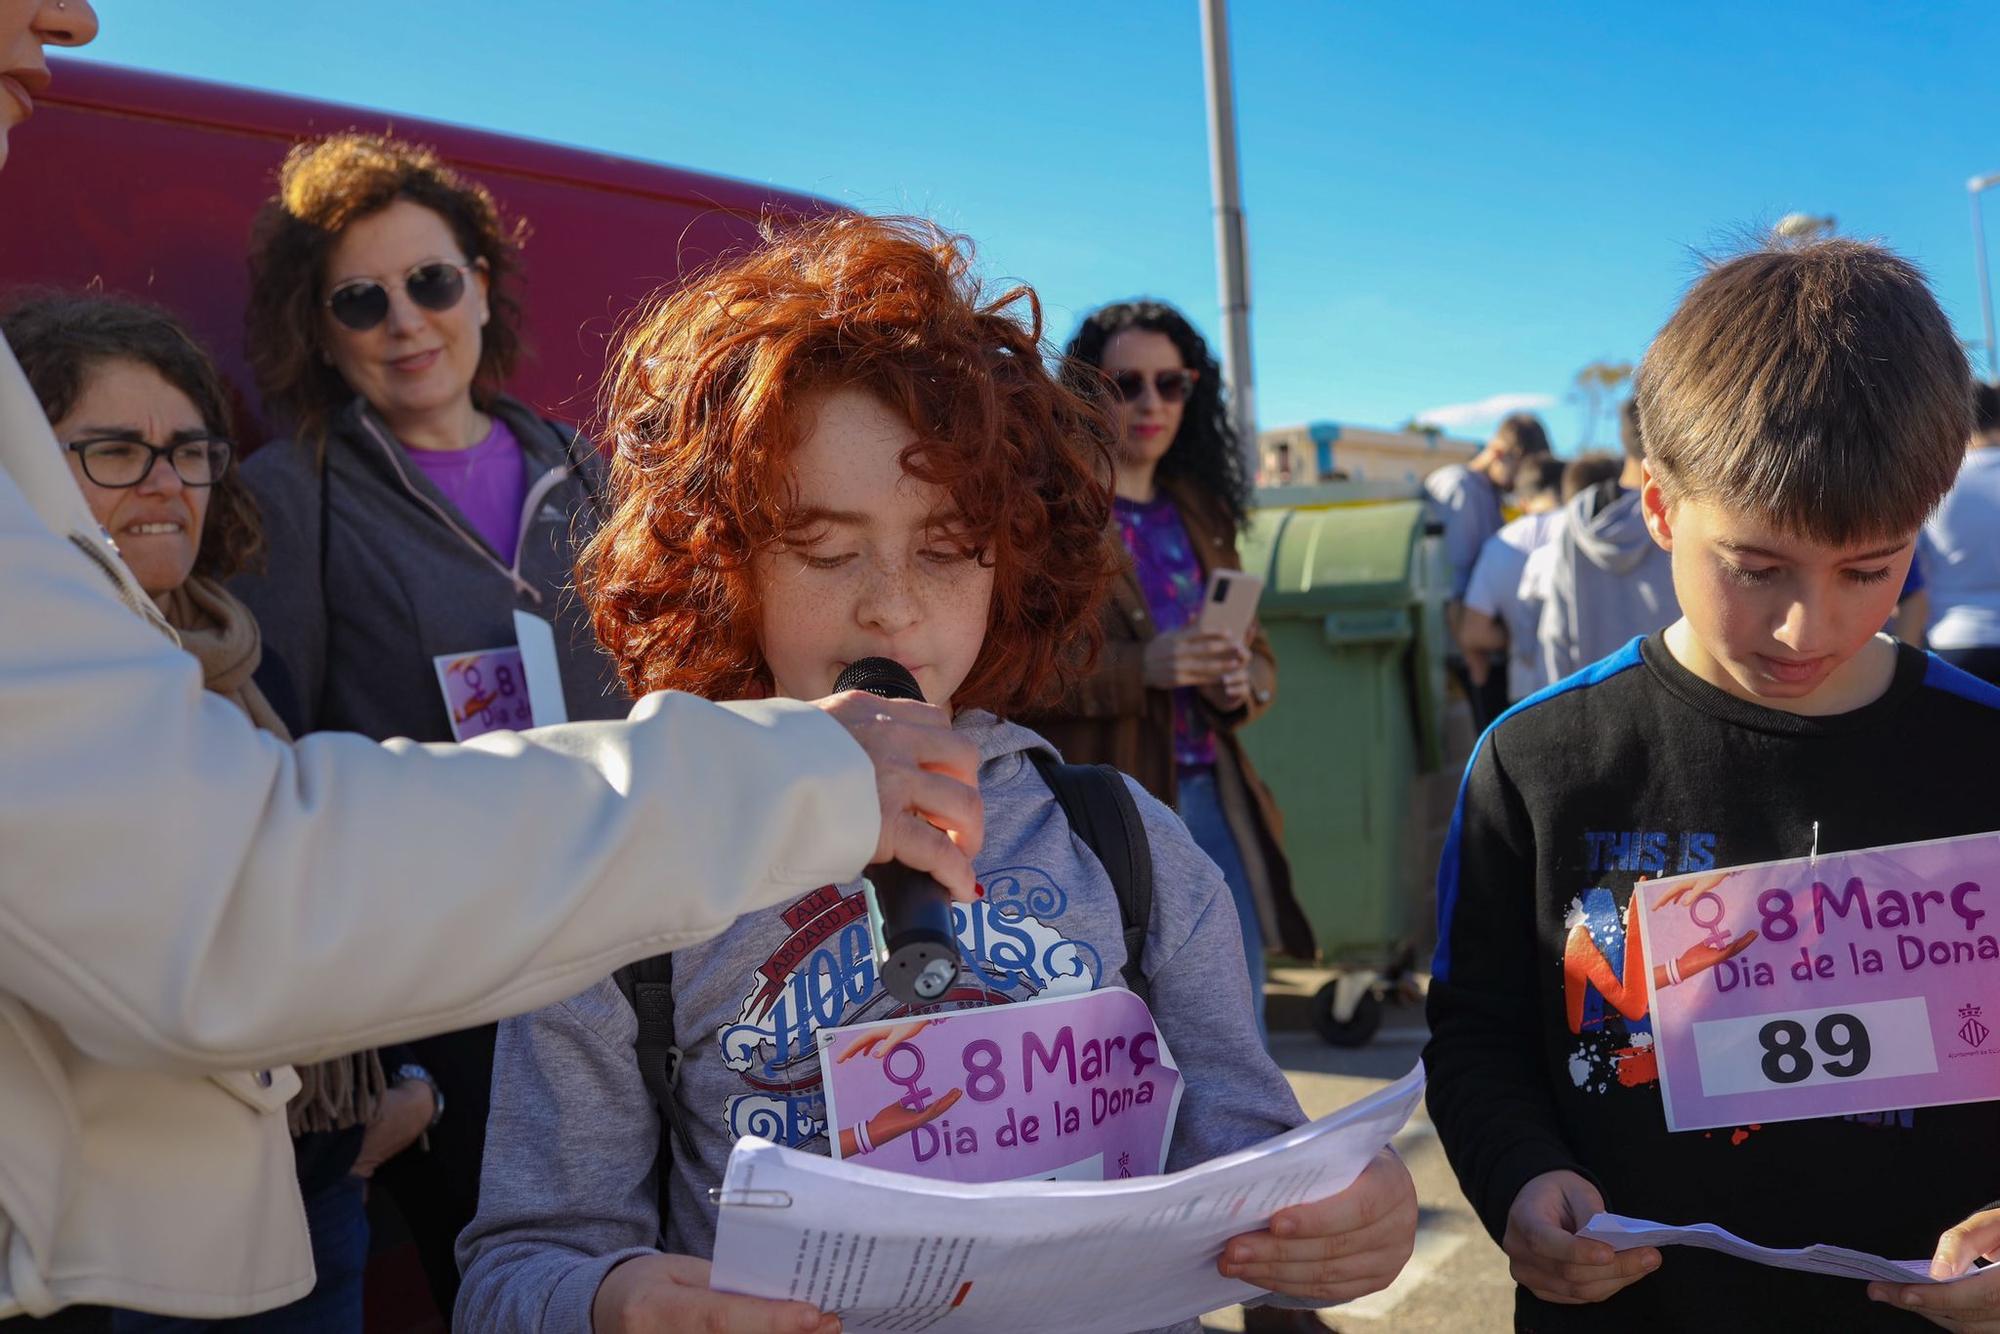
[[1101, 811]]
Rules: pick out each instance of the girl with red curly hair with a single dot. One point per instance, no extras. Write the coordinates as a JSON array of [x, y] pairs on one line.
[[833, 449]]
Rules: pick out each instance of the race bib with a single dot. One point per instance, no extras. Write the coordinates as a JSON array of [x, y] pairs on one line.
[[484, 692], [504, 688], [1072, 1088], [1863, 982]]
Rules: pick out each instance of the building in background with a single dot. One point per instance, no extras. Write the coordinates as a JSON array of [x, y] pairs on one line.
[[1332, 452]]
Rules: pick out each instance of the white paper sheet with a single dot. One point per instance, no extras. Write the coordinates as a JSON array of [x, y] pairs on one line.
[[1624, 1234], [893, 1254]]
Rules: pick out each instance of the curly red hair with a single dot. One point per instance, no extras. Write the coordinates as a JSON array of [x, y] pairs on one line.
[[708, 393]]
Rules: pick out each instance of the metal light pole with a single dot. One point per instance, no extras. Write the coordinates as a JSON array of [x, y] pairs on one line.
[[1972, 189], [1231, 260]]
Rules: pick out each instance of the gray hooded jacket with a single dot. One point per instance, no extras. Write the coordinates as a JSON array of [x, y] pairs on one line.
[[1604, 580], [568, 1190], [372, 573]]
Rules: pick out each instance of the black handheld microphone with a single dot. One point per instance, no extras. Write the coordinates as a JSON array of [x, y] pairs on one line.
[[916, 950]]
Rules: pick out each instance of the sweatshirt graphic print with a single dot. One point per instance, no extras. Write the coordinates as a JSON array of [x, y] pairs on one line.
[[822, 975]]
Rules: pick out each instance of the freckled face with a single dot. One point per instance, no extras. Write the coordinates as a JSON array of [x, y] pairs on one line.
[[873, 568], [1777, 616]]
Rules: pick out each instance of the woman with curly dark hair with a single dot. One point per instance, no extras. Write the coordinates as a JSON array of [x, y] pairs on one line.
[[838, 448], [414, 511], [1166, 698]]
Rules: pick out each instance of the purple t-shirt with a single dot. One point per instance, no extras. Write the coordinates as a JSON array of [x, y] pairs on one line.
[[1170, 576], [487, 482]]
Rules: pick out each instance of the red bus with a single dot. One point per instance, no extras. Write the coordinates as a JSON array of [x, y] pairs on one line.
[[146, 184]]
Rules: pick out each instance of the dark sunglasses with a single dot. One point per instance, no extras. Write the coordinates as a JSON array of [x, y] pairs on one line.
[[1171, 386], [364, 303]]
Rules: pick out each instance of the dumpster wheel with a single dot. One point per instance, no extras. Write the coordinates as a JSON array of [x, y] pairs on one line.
[[1364, 1006]]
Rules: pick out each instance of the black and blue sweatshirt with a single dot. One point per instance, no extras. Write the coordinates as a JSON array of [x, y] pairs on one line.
[[1634, 769]]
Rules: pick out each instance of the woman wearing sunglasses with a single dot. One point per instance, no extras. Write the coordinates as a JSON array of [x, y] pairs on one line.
[[1166, 698], [415, 509]]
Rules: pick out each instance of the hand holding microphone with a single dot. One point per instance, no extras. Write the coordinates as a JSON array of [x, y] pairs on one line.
[[926, 777], [916, 948]]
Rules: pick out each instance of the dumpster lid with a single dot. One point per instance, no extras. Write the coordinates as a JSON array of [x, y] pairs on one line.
[[1325, 558]]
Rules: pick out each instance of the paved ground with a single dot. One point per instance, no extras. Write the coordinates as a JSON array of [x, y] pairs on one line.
[[1457, 1282]]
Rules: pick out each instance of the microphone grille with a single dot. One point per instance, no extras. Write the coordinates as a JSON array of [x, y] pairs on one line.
[[879, 676]]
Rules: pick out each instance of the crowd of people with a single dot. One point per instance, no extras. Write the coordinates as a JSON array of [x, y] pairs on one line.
[[838, 446], [1578, 574], [843, 481]]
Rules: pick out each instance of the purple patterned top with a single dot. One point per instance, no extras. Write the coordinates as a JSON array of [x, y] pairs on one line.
[[1171, 578]]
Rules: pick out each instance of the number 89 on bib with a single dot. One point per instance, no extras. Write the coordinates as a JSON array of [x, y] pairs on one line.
[[1809, 1049]]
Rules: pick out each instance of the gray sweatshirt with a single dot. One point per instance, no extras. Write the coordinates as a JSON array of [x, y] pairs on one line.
[[1606, 581], [568, 1190]]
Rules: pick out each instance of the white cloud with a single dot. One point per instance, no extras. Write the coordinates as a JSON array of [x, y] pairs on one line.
[[1458, 416]]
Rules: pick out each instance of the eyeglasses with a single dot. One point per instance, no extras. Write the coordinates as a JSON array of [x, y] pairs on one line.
[[364, 303], [118, 461], [1171, 386]]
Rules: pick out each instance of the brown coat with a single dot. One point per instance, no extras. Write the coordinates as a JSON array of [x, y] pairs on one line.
[[1112, 717]]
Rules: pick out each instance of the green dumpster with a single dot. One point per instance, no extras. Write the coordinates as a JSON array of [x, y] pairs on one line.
[[1353, 606]]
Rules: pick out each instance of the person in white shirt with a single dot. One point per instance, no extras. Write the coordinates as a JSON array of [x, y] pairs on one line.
[[1960, 552], [189, 905], [1495, 619]]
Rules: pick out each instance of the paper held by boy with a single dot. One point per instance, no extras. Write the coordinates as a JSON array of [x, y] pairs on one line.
[[889, 1252], [1835, 984], [1625, 1234]]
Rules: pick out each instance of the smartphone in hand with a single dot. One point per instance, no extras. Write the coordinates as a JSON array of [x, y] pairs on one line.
[[1230, 604]]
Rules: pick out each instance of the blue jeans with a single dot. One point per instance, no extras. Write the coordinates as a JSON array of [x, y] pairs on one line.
[[1201, 810], [339, 1226]]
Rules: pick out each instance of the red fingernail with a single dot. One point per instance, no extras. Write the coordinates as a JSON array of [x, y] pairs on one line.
[[978, 890]]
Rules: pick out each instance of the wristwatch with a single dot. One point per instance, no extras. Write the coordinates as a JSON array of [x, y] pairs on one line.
[[415, 1071]]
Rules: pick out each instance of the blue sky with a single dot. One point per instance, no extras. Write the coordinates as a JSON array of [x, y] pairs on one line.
[[1447, 203]]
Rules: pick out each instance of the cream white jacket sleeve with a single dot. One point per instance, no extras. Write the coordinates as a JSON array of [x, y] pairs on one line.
[[179, 889]]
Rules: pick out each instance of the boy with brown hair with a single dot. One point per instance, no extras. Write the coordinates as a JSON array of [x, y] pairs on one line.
[[1805, 409]]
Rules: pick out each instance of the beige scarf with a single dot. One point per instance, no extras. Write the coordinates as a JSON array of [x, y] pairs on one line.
[[223, 636]]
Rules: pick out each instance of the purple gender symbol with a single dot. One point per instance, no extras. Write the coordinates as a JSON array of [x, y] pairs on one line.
[[1717, 937], [914, 1098]]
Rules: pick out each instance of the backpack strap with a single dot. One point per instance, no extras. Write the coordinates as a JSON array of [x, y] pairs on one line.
[[1100, 809], [648, 986]]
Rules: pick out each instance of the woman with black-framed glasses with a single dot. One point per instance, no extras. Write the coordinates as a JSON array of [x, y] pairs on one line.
[[415, 509], [141, 414], [1167, 699], [142, 418]]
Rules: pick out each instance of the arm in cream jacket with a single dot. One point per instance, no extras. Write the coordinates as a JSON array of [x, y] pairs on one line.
[[186, 902], [180, 889]]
